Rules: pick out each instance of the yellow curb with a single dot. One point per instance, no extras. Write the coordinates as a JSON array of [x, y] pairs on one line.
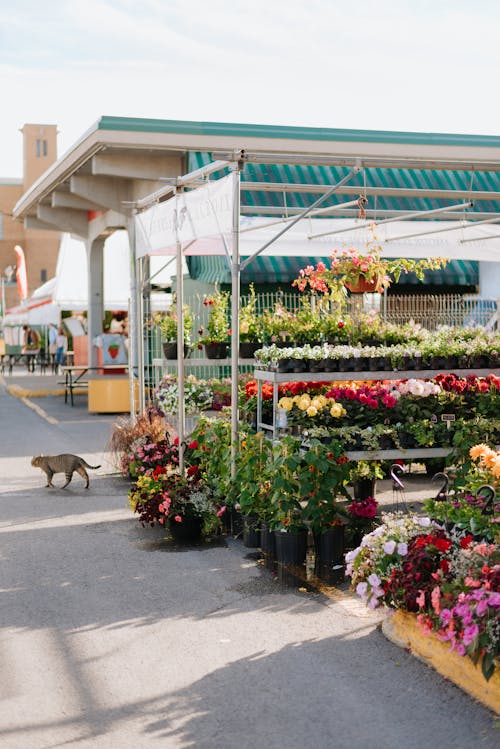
[[18, 392], [401, 628]]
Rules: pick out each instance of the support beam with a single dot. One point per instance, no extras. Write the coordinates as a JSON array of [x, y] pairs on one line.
[[307, 159], [372, 213], [67, 200], [139, 165], [109, 193], [32, 222], [64, 219], [386, 192]]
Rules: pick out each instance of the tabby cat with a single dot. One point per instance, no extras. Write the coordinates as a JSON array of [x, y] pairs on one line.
[[66, 463]]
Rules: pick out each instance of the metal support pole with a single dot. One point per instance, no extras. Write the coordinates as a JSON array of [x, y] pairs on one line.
[[140, 334], [181, 409], [235, 322], [133, 359]]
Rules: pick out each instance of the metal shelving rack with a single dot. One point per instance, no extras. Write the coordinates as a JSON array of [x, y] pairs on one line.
[[276, 378]]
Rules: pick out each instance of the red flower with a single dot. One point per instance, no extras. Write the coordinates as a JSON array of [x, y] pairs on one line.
[[193, 445], [466, 541], [340, 324]]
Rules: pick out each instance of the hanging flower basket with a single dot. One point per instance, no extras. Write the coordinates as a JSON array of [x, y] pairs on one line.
[[362, 286]]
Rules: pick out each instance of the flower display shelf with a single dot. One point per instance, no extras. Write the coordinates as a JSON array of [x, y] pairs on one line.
[[275, 378]]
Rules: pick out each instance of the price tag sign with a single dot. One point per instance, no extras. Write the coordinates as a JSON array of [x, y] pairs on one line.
[[448, 418]]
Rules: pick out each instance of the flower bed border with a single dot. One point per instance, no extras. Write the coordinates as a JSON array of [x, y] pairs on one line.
[[401, 628]]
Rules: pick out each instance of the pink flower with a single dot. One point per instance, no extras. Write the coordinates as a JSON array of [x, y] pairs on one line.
[[436, 600], [178, 519], [221, 511], [420, 599]]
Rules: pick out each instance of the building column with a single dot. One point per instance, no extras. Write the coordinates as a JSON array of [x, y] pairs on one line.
[[95, 267]]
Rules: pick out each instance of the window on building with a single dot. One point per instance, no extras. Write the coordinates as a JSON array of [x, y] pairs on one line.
[[43, 275], [41, 147]]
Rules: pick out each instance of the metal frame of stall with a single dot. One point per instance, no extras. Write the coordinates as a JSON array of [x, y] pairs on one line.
[[235, 162]]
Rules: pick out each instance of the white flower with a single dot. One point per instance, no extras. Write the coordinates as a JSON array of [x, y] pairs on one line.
[[423, 522], [374, 580], [402, 549], [389, 547]]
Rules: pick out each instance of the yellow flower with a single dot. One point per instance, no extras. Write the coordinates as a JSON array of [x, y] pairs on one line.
[[244, 327], [312, 411], [286, 403], [304, 403], [318, 405], [337, 411]]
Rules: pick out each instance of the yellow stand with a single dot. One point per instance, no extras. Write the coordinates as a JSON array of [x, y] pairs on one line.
[[109, 394]]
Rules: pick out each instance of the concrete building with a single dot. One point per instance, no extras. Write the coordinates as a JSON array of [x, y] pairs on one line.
[[40, 247]]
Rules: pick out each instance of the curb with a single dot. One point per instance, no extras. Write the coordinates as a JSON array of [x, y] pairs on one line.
[[19, 392], [401, 628]]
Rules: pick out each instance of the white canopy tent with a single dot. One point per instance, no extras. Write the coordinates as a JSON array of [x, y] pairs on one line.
[[206, 221]]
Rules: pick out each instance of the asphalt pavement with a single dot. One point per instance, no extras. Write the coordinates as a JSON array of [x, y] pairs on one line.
[[111, 636]]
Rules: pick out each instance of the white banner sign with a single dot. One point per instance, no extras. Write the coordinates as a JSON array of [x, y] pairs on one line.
[[200, 219]]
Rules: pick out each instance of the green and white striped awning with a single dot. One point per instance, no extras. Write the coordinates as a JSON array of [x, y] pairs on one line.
[[272, 270]]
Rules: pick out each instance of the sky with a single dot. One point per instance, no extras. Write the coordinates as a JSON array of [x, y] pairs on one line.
[[408, 65]]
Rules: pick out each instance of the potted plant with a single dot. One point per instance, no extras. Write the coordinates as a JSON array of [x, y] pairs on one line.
[[216, 337], [360, 272], [167, 323], [192, 512], [364, 475], [251, 333]]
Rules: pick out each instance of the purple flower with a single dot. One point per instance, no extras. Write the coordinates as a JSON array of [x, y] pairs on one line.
[[361, 589], [389, 547], [446, 616], [494, 600], [374, 580], [402, 549], [470, 634], [482, 607]]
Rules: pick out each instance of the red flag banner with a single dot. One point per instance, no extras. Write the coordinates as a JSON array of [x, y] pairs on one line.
[[21, 277]]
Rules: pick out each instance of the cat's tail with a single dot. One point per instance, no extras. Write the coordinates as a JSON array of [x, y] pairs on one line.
[[94, 468]]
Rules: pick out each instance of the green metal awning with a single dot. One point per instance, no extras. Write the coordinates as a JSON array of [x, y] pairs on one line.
[[273, 270]]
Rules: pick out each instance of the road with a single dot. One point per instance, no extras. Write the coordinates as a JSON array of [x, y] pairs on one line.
[[111, 637]]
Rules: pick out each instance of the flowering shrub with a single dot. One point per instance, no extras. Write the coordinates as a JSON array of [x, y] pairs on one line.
[[348, 267], [145, 456], [164, 495], [218, 330], [474, 508], [363, 508], [371, 565], [149, 497], [450, 581], [250, 322], [167, 323], [312, 406], [198, 395]]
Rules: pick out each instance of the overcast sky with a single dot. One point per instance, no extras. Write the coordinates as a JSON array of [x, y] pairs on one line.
[[422, 65]]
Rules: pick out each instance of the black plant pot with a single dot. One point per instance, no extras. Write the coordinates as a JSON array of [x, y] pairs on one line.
[[291, 547], [364, 488], [189, 531], [330, 546], [216, 350], [233, 522], [248, 349], [267, 540], [170, 350], [251, 531], [347, 365]]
